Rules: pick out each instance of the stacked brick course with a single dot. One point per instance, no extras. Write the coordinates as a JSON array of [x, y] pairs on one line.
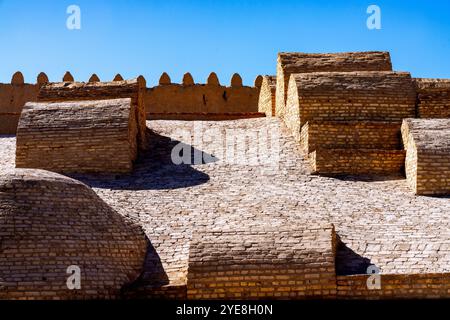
[[79, 91], [433, 98], [50, 222], [295, 263], [289, 63], [266, 102], [350, 134], [349, 122], [82, 136], [427, 144]]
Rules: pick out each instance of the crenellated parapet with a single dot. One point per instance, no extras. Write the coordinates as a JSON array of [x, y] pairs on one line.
[[191, 100]]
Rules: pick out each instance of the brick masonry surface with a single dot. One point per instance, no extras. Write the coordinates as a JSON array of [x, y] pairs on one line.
[[49, 222], [82, 136], [295, 263], [349, 122], [266, 101], [78, 91], [342, 96], [357, 161], [377, 219], [433, 98], [289, 63], [427, 144], [379, 135]]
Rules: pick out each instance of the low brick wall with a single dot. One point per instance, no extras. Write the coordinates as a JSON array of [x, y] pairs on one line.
[[50, 222], [396, 286], [288, 263], [266, 103], [289, 63], [427, 144], [357, 161], [80, 91], [350, 135], [81, 136], [433, 98]]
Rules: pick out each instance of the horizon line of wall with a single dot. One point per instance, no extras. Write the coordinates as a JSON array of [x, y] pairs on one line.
[[235, 81]]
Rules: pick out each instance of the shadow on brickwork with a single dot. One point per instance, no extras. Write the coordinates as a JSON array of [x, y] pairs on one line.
[[348, 262], [153, 274], [154, 169]]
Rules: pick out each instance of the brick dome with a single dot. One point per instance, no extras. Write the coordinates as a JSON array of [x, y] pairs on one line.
[[49, 222]]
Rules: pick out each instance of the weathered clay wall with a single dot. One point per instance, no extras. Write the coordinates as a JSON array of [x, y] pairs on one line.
[[201, 101], [289, 63], [357, 161], [433, 98], [427, 144], [266, 103], [81, 136], [50, 222], [396, 286], [350, 135], [13, 97], [295, 263]]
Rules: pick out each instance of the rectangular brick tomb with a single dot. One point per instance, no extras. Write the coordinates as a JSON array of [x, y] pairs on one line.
[[289, 63], [81, 91], [427, 165], [295, 263], [80, 136]]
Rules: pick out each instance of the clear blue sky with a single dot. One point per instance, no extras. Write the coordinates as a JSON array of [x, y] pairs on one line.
[[244, 36]]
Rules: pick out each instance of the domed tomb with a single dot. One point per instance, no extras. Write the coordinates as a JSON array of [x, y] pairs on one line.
[[54, 228]]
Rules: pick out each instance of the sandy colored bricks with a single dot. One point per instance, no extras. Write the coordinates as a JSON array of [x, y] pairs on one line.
[[289, 63], [51, 222], [264, 262], [349, 96], [266, 102], [427, 145], [379, 135], [83, 136], [433, 96], [80, 91]]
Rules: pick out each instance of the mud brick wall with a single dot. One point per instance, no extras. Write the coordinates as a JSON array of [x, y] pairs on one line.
[[79, 91], [289, 63], [82, 136], [433, 98], [50, 222], [266, 103], [362, 96], [357, 161], [427, 144], [396, 286], [295, 263], [13, 97], [190, 100], [350, 135]]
